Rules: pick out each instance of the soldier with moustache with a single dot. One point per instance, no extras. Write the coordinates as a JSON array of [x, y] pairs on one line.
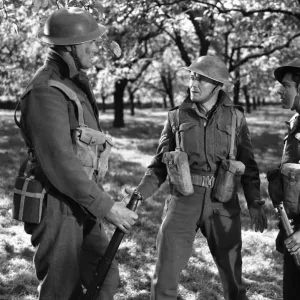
[[204, 130]]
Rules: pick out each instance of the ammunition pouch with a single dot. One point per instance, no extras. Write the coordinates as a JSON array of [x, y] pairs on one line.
[[230, 171], [227, 180], [177, 162], [179, 171], [28, 197], [92, 147], [291, 188]]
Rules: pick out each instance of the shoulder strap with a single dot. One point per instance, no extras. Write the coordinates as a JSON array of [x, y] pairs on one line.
[[66, 90], [72, 96], [174, 118], [233, 127], [177, 136]]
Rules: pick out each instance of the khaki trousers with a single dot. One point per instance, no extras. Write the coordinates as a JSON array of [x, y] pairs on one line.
[[219, 223], [67, 251]]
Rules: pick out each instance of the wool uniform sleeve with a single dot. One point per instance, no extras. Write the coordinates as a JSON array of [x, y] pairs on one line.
[[250, 180], [157, 172]]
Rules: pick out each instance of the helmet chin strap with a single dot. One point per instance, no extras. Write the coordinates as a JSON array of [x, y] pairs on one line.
[[296, 103], [215, 90], [74, 55]]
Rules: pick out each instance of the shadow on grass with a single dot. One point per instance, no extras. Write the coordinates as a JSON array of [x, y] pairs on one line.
[[135, 129]]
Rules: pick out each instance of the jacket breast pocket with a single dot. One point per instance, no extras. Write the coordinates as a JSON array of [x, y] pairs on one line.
[[222, 140], [190, 136]]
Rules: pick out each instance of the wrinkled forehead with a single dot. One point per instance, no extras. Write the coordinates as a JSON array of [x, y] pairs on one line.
[[203, 78]]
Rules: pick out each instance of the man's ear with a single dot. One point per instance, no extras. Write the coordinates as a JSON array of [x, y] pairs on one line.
[[68, 48]]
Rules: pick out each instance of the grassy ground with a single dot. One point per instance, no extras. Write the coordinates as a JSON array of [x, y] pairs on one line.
[[135, 145]]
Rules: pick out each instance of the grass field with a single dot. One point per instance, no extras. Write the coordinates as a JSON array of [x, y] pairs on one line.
[[134, 147]]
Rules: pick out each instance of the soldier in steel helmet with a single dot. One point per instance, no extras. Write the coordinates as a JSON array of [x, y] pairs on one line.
[[289, 77], [69, 238], [209, 128]]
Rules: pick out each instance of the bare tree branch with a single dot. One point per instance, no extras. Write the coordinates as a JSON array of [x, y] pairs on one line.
[[265, 53]]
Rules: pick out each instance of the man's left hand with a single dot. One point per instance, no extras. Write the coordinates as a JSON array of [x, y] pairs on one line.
[[257, 215], [292, 243]]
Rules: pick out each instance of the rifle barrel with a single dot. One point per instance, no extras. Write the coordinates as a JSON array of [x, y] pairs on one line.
[[106, 260]]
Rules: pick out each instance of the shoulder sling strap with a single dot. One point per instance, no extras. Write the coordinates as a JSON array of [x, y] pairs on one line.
[[233, 127], [66, 90], [72, 96], [174, 118]]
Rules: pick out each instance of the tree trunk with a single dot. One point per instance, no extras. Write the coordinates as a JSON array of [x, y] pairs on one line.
[[254, 103], [236, 88], [247, 98], [120, 86], [165, 101], [103, 104], [131, 99], [237, 85], [171, 97], [258, 101]]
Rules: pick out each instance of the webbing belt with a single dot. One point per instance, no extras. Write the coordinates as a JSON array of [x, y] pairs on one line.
[[205, 181]]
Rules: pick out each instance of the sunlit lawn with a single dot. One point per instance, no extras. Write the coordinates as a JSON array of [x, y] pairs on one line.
[[134, 146]]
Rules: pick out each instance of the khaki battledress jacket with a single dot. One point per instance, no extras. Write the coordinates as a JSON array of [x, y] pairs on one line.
[[47, 119], [291, 154], [206, 139]]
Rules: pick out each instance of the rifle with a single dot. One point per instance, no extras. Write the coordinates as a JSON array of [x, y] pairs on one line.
[[110, 252], [287, 228]]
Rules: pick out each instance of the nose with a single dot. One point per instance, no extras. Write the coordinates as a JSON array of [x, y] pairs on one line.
[[94, 47], [280, 91]]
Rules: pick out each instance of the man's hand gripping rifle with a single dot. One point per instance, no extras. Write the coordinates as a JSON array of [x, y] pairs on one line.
[[288, 229], [275, 189], [106, 260]]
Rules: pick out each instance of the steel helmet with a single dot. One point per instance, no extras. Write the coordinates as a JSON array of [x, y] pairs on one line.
[[70, 27], [292, 66], [211, 67]]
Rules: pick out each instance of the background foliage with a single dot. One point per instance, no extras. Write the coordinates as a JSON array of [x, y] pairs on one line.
[[156, 38]]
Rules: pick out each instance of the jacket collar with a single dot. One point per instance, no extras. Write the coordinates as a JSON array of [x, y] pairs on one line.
[[293, 123], [58, 63]]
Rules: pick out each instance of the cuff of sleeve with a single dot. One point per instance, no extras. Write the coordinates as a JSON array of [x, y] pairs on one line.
[[101, 204], [251, 194], [145, 189], [252, 199]]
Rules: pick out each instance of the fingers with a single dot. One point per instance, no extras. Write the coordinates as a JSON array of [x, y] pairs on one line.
[[293, 248], [259, 224], [292, 243], [127, 219], [260, 202], [123, 228], [126, 199]]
